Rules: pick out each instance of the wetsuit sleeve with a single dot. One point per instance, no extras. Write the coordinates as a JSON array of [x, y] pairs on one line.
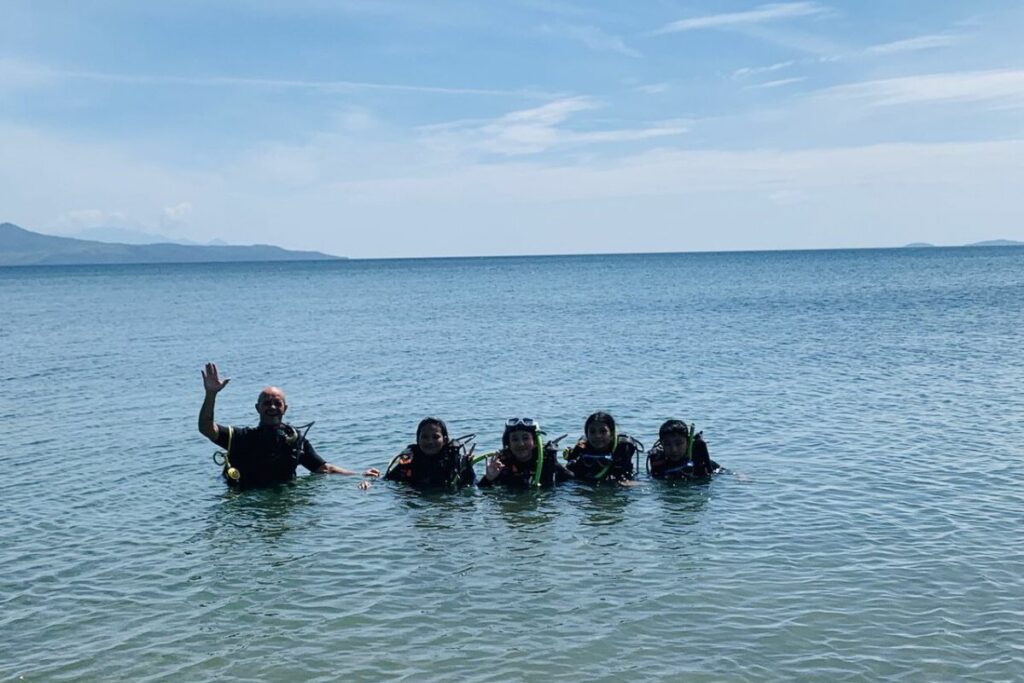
[[310, 459], [485, 483], [657, 466], [222, 435], [394, 472]]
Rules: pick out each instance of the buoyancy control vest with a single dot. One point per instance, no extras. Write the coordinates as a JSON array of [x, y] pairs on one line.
[[696, 464], [588, 464], [450, 468], [262, 455]]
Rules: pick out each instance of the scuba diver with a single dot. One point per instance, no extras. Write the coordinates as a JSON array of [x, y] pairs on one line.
[[524, 460], [680, 453], [603, 454], [268, 453], [435, 460]]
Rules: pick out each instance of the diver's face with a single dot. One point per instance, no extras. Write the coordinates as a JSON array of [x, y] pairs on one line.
[[430, 439], [599, 435], [674, 445], [271, 406], [521, 444]]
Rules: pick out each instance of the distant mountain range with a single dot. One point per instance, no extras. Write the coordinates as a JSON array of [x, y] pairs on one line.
[[20, 247], [986, 243], [119, 235]]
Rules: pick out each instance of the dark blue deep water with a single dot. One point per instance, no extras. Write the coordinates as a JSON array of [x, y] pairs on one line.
[[869, 403]]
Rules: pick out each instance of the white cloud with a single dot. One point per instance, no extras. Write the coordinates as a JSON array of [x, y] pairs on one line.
[[355, 119], [788, 197], [365, 195], [1002, 87], [757, 70], [16, 73], [658, 129], [675, 172], [777, 83], [177, 213], [536, 130], [653, 88], [24, 73], [927, 42], [875, 195], [764, 13], [594, 38], [551, 113]]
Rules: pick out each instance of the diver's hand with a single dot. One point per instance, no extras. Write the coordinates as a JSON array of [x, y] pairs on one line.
[[372, 472], [211, 380], [494, 468], [363, 485]]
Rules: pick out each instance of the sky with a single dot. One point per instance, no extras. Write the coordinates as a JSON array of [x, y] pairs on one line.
[[393, 128]]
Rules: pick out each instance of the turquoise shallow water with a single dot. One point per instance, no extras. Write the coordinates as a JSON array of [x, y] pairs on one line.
[[869, 403]]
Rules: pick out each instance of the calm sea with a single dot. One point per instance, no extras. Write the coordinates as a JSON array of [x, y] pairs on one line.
[[869, 404]]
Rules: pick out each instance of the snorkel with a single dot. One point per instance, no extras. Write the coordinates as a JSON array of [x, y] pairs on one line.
[[535, 481], [689, 442]]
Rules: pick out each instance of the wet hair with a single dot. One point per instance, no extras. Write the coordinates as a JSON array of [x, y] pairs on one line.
[[673, 426], [432, 421], [600, 418]]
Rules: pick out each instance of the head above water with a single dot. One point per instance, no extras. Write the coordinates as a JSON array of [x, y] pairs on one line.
[[519, 424], [520, 436], [674, 437], [599, 429], [431, 435], [673, 426], [271, 405]]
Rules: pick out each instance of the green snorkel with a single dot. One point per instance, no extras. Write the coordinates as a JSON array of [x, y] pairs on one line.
[[539, 467], [483, 456]]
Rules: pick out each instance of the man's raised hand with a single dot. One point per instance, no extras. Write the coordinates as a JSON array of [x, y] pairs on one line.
[[211, 380]]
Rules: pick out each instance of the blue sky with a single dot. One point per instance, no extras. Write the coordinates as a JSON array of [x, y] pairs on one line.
[[393, 128]]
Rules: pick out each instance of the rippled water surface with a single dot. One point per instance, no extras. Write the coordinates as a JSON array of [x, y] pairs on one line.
[[869, 405]]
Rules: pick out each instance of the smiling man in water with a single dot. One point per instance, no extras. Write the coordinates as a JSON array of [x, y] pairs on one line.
[[268, 453]]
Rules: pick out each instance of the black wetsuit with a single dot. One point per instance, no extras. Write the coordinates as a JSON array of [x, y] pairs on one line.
[[589, 464], [267, 455], [520, 475], [663, 467], [449, 468]]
